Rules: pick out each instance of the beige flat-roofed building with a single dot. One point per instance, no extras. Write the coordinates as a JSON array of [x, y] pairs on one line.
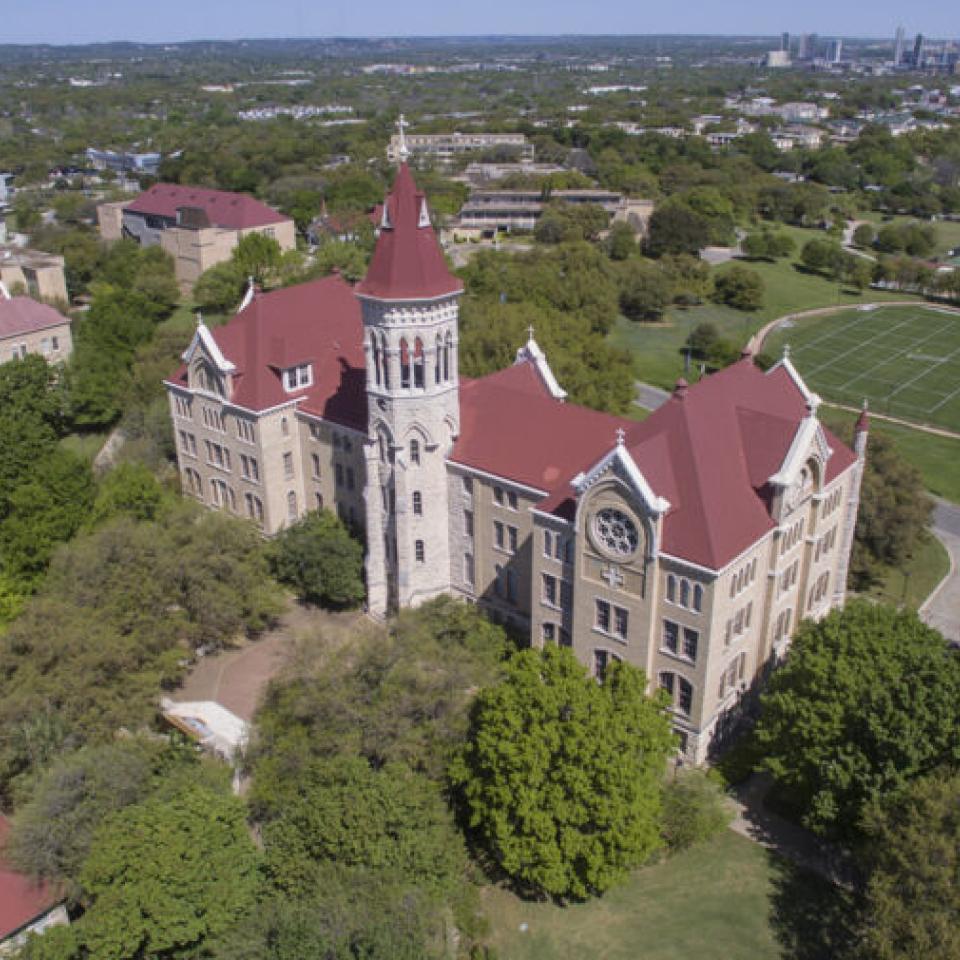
[[689, 545], [27, 326], [41, 275]]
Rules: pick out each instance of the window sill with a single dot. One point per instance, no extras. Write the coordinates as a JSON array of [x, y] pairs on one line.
[[216, 466], [679, 657], [609, 636], [551, 606], [680, 606]]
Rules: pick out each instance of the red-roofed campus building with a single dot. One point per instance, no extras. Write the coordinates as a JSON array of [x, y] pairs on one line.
[[196, 226], [27, 326], [26, 905], [690, 544]]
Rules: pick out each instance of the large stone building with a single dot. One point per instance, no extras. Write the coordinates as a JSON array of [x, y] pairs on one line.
[[690, 544], [196, 226]]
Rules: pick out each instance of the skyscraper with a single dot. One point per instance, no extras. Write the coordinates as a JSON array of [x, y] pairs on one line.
[[918, 51], [836, 51], [899, 43], [785, 40]]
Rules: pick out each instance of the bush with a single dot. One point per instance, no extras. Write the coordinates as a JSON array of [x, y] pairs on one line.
[[694, 809], [740, 288]]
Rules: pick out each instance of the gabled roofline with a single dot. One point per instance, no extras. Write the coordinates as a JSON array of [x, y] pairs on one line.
[[620, 455], [205, 337], [531, 352], [495, 476], [812, 399], [809, 431], [421, 299]]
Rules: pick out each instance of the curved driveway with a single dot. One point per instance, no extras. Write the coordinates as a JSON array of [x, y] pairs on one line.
[[942, 608]]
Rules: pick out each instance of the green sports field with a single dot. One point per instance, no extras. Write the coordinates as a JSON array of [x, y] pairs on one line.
[[904, 360]]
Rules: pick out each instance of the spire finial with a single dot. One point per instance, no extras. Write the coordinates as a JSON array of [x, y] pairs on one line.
[[199, 319], [866, 403], [530, 332], [403, 150], [621, 436], [786, 351]]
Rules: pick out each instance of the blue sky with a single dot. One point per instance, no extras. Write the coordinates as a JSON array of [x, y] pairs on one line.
[[82, 21]]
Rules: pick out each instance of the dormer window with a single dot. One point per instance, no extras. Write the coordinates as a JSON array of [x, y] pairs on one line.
[[296, 378]]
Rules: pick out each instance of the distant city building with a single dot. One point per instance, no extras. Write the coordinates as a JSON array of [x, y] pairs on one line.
[[40, 275], [918, 51], [785, 42], [298, 112], [488, 212], [836, 51], [899, 45], [197, 227], [27, 326], [807, 47], [444, 147], [145, 164], [777, 59], [6, 190]]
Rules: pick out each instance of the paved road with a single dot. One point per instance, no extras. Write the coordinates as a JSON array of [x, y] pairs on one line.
[[942, 608], [650, 397]]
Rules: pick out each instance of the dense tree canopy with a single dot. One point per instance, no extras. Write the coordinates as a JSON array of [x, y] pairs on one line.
[[560, 779], [868, 700], [319, 558], [913, 865]]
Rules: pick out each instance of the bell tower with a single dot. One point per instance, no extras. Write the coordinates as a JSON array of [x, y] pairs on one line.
[[410, 303]]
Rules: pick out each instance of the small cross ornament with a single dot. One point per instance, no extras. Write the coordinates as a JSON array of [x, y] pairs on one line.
[[613, 577]]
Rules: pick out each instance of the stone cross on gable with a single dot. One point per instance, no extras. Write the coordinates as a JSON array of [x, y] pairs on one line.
[[621, 436], [613, 576]]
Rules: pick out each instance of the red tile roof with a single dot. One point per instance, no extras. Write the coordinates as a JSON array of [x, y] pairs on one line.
[[709, 450], [22, 900], [20, 315], [407, 263], [317, 323], [237, 211]]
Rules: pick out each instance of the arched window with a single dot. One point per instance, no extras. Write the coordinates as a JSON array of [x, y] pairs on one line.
[[437, 361], [419, 551], [291, 505], [404, 364], [417, 503], [671, 588], [419, 372], [386, 360], [697, 597], [375, 350], [447, 350], [415, 451]]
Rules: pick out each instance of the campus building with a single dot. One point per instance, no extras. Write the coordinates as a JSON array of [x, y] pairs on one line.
[[30, 327], [690, 544], [196, 226]]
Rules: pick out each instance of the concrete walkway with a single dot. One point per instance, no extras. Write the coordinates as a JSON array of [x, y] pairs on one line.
[[649, 397], [755, 822], [941, 609]]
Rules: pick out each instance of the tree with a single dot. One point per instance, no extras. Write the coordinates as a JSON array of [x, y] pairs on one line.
[[702, 338], [560, 776], [894, 513], [864, 236], [343, 811], [562, 222], [913, 861], [256, 255], [320, 560], [622, 241], [868, 700], [402, 697], [220, 289], [351, 913], [767, 245], [131, 490], [739, 287], [824, 256], [167, 876], [675, 228], [645, 290]]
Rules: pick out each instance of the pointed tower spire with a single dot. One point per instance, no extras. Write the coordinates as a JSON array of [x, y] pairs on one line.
[[403, 151], [407, 262]]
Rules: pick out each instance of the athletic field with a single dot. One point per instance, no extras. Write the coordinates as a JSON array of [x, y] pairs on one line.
[[904, 360]]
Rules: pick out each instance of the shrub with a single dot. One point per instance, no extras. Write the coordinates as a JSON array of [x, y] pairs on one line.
[[694, 809]]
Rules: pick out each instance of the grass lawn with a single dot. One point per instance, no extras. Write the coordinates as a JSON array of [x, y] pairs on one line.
[[657, 348], [912, 584], [935, 457], [947, 231], [726, 900], [906, 360]]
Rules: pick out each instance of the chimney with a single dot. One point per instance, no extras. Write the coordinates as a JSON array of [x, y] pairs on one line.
[[680, 390]]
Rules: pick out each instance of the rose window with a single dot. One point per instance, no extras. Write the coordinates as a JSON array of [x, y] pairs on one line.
[[616, 532]]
